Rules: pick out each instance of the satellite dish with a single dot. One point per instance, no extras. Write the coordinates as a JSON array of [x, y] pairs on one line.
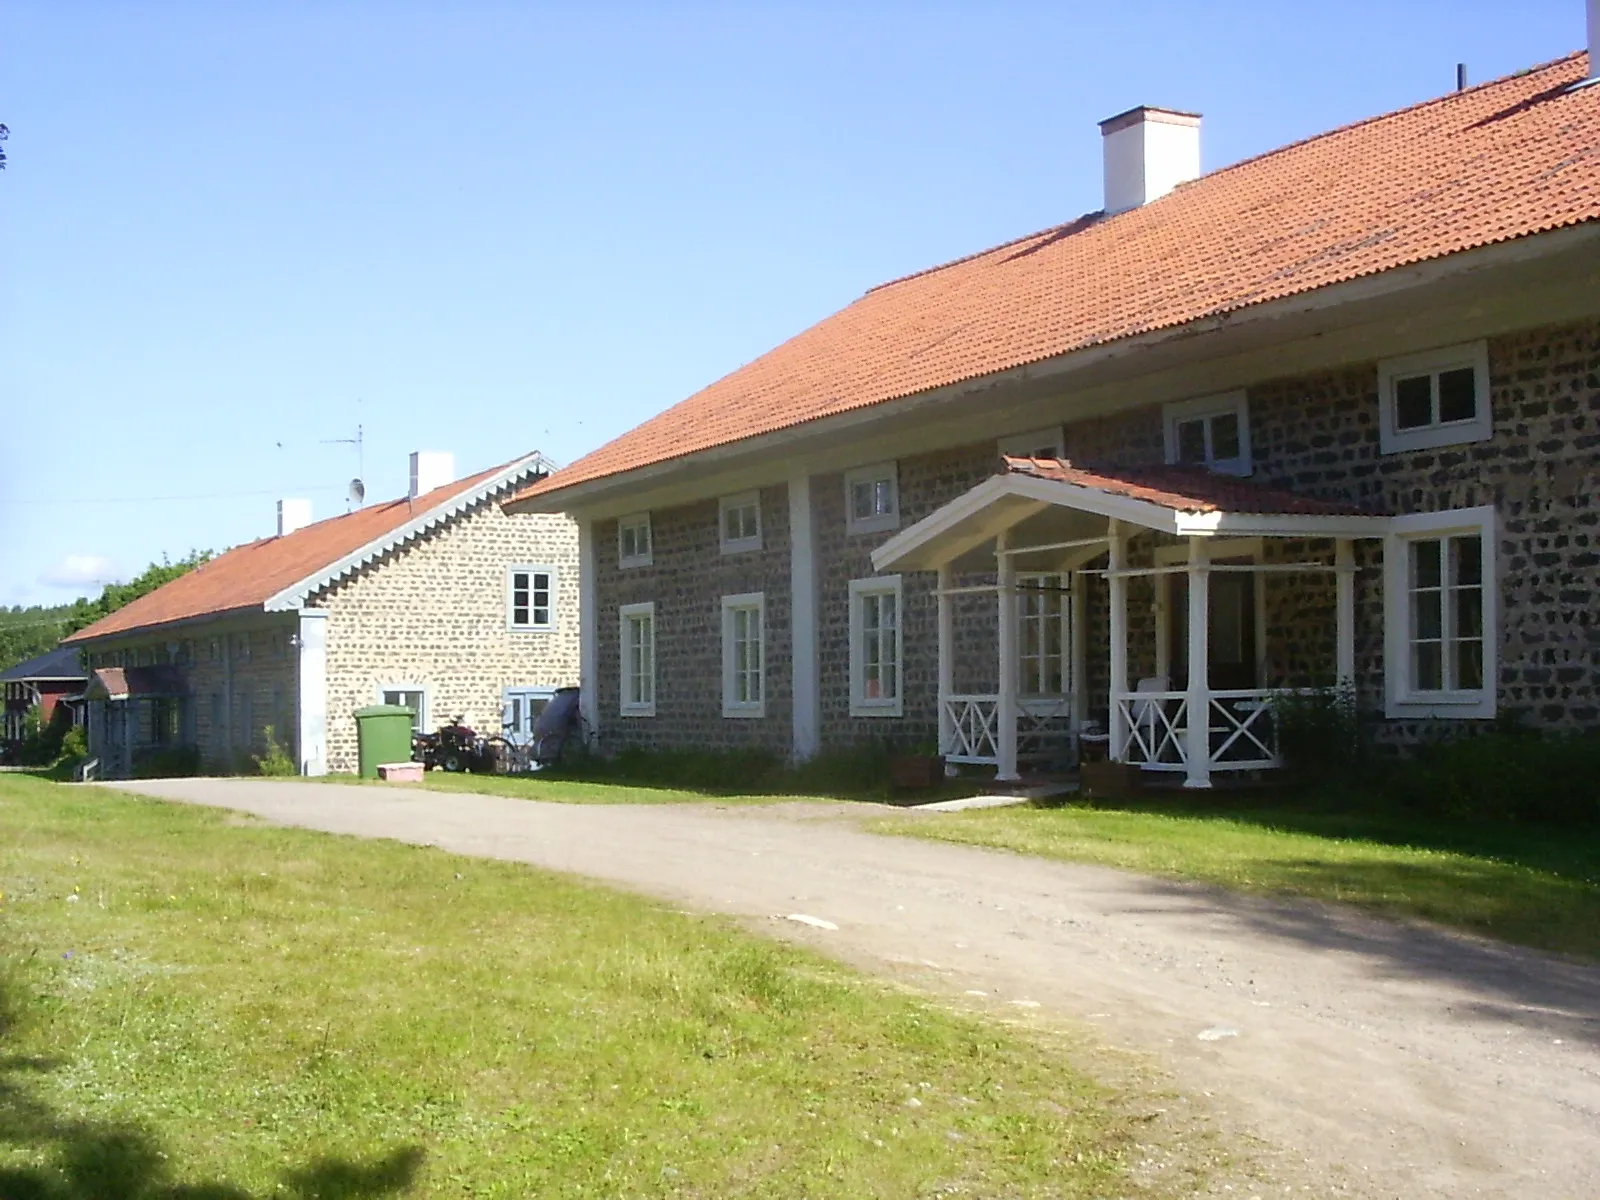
[[358, 492]]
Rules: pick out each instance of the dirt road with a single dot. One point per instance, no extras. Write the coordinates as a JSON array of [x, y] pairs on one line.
[[1396, 1060]]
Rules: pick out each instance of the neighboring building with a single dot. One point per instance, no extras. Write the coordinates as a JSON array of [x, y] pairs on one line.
[[52, 678], [438, 600], [1347, 394]]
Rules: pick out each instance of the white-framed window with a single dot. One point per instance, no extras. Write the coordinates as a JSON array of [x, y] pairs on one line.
[[872, 498], [739, 519], [876, 683], [1437, 398], [530, 597], [408, 695], [1441, 614], [1211, 432], [634, 545], [744, 655], [638, 644], [1043, 634], [1041, 443]]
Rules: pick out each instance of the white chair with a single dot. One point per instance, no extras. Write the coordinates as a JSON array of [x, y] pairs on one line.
[[1142, 713]]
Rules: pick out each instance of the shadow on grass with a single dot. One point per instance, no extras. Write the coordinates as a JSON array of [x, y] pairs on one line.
[[97, 1160]]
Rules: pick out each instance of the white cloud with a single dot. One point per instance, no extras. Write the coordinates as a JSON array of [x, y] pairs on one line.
[[81, 570]]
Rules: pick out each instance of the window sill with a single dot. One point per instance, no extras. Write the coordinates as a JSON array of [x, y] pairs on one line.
[[628, 564], [744, 712], [741, 547], [873, 524], [637, 710], [1446, 706], [860, 708], [530, 628]]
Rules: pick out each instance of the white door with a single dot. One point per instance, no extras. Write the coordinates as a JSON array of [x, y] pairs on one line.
[[520, 709]]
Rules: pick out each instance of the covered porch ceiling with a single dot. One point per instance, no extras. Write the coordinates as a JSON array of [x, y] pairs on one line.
[[1065, 510]]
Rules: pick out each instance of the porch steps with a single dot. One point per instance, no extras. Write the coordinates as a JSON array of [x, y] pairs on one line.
[[1020, 793]]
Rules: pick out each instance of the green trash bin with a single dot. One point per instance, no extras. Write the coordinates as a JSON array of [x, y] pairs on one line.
[[383, 733]]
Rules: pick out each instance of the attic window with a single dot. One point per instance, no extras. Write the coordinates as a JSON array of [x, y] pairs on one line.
[[1437, 398], [740, 517], [1211, 432], [634, 548], [872, 498]]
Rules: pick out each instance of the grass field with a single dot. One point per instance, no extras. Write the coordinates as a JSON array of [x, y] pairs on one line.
[[1535, 885], [196, 1007]]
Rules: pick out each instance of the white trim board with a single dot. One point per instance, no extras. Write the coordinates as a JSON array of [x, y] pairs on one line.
[[296, 594]]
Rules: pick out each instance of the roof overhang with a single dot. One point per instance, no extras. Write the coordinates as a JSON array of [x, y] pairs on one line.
[[1538, 279], [1002, 502]]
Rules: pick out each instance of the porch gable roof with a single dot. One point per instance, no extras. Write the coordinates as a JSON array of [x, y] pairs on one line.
[[121, 683], [1184, 501]]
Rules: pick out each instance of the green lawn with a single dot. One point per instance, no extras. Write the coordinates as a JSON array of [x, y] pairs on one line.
[[1538, 886], [194, 1006]]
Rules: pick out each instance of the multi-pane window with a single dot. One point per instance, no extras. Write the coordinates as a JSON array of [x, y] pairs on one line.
[[1212, 432], [875, 647], [872, 499], [634, 547], [1440, 614], [530, 597], [1042, 612], [1446, 610], [741, 522], [1042, 443], [1439, 398], [408, 695], [638, 643], [743, 656]]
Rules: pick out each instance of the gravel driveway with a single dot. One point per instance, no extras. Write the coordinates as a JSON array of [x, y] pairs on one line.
[[1394, 1059]]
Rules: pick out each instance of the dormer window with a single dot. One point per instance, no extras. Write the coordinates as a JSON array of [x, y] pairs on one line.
[[1212, 432]]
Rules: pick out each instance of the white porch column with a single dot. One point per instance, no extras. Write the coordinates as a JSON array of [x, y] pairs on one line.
[[1199, 731], [1119, 638], [947, 666], [312, 671], [1344, 561], [1006, 595], [806, 732], [588, 630]]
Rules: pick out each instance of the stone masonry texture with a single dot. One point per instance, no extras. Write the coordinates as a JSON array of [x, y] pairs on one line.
[[1315, 433]]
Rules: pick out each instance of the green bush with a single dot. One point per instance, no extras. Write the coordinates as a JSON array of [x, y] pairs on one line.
[[274, 760], [1321, 733], [41, 744], [1506, 774], [75, 746]]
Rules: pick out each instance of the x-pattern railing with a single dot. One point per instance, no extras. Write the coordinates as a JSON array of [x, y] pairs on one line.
[[1157, 723], [1247, 726], [974, 723]]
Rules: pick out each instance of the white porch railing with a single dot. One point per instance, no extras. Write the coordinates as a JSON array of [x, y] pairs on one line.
[[972, 729], [1241, 733], [972, 724]]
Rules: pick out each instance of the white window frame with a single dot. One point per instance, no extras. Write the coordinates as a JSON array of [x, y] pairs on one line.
[[1203, 408], [1402, 698], [1057, 586], [1024, 445], [728, 504], [638, 559], [530, 569], [755, 602], [880, 522], [860, 704], [1394, 440], [625, 614], [424, 710]]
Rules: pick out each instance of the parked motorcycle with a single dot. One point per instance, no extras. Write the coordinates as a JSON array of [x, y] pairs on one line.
[[454, 747]]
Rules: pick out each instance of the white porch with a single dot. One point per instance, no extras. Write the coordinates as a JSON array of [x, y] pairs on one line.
[[1034, 538]]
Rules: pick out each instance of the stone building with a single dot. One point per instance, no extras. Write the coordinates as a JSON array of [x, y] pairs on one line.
[[1329, 416], [439, 600]]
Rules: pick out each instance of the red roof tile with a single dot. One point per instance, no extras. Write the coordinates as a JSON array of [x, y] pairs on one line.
[[1183, 489], [1503, 160], [247, 576]]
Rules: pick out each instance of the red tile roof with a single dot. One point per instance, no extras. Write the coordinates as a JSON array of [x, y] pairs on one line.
[[1503, 160], [249, 575], [1183, 489]]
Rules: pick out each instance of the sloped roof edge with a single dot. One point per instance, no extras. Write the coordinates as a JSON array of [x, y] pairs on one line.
[[296, 594]]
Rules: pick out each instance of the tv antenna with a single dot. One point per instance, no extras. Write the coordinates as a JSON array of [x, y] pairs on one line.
[[358, 490]]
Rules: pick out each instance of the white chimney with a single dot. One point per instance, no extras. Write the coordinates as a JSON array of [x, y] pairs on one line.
[[293, 513], [431, 469], [1150, 151], [1594, 39]]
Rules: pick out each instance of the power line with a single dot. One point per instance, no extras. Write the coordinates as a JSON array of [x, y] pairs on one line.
[[320, 487]]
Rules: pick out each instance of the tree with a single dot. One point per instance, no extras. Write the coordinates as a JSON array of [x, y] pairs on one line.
[[86, 612]]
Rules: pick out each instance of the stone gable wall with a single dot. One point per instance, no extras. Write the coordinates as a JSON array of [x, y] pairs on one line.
[[686, 582], [434, 612]]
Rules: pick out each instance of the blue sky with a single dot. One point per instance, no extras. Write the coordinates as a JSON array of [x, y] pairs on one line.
[[231, 233]]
